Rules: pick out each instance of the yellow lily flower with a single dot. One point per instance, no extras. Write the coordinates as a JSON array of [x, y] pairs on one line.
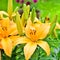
[[35, 33], [7, 31]]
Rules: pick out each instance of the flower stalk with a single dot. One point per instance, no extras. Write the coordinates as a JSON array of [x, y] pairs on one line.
[[53, 24], [0, 54]]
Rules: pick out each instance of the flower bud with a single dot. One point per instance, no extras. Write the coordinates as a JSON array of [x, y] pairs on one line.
[[17, 1], [28, 3], [35, 1], [21, 1]]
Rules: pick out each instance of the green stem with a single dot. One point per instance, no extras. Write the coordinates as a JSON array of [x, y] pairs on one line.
[[0, 55], [10, 7], [53, 24]]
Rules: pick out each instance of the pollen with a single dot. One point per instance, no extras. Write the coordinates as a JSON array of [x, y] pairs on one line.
[[33, 32]]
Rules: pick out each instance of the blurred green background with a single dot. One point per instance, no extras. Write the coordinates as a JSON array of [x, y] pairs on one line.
[[3, 4], [47, 7]]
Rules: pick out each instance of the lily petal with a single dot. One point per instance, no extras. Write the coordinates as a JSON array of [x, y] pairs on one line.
[[5, 22], [14, 38], [29, 49], [13, 29], [0, 45], [1, 32], [43, 29], [45, 46], [4, 13], [13, 14], [57, 26], [22, 40], [7, 46]]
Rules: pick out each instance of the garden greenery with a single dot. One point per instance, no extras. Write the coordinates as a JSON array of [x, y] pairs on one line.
[[24, 36]]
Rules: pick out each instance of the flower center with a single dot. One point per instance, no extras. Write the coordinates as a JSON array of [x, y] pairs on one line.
[[3, 32], [33, 34]]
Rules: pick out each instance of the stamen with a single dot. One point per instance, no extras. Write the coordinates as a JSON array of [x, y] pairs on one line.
[[33, 32], [4, 28], [9, 35]]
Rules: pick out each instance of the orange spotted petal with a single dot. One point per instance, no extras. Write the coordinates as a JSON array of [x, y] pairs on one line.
[[29, 49], [44, 45], [37, 30], [5, 22], [7, 46], [32, 31]]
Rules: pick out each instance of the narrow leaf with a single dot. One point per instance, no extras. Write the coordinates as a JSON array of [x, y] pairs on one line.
[[58, 33], [53, 24], [36, 54], [16, 9]]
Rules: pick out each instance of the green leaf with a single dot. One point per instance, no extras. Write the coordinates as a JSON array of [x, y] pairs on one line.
[[14, 13], [4, 56], [16, 9], [53, 42], [36, 54], [58, 55], [58, 33], [17, 53], [53, 24]]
